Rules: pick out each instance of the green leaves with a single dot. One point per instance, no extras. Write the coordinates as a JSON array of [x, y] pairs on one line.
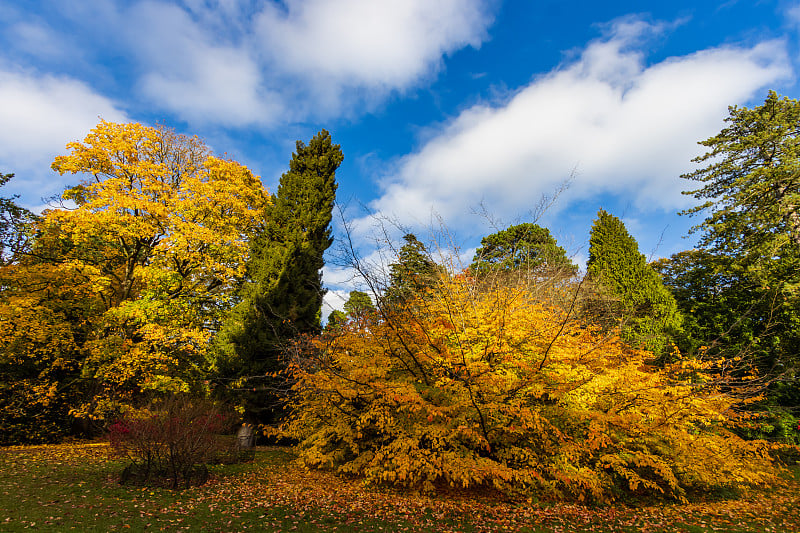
[[526, 247], [413, 272], [750, 188], [752, 183], [649, 314]]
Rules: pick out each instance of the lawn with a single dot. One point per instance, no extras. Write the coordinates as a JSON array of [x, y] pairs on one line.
[[74, 487]]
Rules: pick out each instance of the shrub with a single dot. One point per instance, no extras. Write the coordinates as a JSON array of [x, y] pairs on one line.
[[481, 386], [170, 443]]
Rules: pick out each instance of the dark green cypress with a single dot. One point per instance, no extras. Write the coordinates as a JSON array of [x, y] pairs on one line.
[[287, 257], [649, 314], [282, 297]]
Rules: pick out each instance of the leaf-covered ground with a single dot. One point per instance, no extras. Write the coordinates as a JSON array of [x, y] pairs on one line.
[[74, 487]]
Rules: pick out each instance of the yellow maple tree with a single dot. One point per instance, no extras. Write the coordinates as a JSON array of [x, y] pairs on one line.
[[156, 237]]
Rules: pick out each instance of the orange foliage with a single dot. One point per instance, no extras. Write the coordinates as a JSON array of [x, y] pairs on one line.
[[468, 386]]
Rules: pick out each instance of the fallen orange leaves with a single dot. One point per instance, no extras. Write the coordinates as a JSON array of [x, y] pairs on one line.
[[276, 486]]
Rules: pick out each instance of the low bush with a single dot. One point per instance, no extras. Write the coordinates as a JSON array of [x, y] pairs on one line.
[[171, 442]]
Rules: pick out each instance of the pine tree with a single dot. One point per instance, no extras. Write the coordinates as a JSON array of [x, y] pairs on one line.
[[750, 194], [358, 304], [648, 310], [751, 184], [413, 272], [282, 298]]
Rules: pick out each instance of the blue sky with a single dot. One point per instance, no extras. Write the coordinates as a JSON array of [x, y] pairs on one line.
[[443, 108]]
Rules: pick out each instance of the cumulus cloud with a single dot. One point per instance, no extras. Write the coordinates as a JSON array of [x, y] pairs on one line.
[[41, 114], [198, 79], [622, 125], [239, 64], [344, 56], [390, 44]]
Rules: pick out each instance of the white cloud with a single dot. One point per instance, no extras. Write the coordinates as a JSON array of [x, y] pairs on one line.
[[306, 58], [276, 62], [333, 300], [199, 80], [41, 114], [624, 126], [389, 43]]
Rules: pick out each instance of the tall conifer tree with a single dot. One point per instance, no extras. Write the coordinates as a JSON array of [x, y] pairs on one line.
[[283, 295], [650, 314], [749, 187]]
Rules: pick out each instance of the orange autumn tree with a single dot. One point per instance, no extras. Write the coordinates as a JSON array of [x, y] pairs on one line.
[[156, 240], [471, 384]]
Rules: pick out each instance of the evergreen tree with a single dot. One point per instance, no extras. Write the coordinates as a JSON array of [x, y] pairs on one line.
[[357, 308], [650, 316], [523, 246], [750, 188], [358, 304], [723, 311], [335, 319], [282, 298], [413, 272], [751, 185]]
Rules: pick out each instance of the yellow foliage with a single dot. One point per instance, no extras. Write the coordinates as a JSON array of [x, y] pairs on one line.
[[470, 386], [148, 253]]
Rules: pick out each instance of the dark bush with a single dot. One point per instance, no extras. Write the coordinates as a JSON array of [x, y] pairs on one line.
[[171, 442]]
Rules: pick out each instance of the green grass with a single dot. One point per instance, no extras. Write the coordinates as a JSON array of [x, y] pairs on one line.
[[61, 488], [75, 487]]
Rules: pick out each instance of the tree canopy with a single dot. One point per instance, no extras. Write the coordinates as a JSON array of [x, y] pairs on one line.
[[524, 246], [751, 184], [122, 290], [359, 304], [467, 387], [413, 271]]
